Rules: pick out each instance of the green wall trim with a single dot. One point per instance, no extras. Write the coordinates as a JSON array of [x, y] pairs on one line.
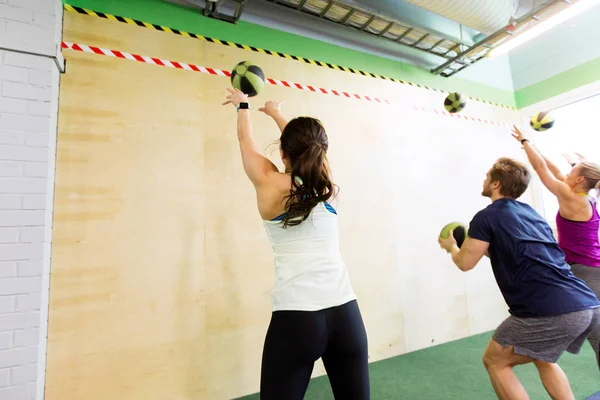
[[182, 18], [573, 78]]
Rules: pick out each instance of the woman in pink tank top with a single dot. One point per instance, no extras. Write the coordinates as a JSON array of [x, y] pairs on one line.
[[579, 239], [577, 220]]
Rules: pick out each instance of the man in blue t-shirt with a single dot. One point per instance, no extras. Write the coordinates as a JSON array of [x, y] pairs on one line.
[[552, 311]]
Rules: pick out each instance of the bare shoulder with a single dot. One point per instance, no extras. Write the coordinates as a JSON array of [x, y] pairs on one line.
[[573, 199], [575, 207], [282, 183], [271, 195], [278, 184]]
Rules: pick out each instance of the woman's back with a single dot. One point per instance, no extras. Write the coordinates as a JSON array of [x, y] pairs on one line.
[[579, 239], [315, 312], [309, 271]]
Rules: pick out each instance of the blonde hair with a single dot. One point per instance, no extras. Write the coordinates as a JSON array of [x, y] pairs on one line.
[[591, 173]]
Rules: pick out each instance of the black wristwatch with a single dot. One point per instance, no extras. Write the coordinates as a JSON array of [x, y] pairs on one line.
[[243, 106], [524, 140]]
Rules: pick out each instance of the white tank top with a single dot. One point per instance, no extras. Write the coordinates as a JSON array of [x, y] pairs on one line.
[[309, 272]]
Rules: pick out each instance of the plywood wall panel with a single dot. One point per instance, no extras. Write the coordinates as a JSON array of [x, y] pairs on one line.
[[161, 270]]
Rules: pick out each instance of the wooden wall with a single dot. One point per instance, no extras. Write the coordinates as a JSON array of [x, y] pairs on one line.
[[161, 271]]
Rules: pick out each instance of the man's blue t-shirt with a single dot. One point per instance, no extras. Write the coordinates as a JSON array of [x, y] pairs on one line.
[[529, 267]]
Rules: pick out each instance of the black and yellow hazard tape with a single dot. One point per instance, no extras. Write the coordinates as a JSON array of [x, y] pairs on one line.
[[161, 28]]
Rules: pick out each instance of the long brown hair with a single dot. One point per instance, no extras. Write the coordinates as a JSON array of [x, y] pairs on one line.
[[305, 143]]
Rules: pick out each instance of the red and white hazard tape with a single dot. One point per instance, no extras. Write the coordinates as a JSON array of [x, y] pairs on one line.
[[219, 72], [460, 116], [143, 59], [325, 91], [211, 71]]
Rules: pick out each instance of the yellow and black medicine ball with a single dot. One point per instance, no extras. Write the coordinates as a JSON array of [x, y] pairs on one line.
[[455, 102], [248, 78], [541, 121]]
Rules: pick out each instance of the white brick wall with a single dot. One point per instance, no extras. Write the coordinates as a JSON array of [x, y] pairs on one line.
[[28, 25], [28, 114]]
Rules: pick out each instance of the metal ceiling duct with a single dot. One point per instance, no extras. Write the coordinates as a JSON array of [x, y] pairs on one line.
[[486, 16]]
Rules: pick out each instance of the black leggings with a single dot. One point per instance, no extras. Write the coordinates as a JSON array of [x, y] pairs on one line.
[[296, 339]]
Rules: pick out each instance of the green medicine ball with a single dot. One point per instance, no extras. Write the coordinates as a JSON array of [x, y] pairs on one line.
[[459, 231], [248, 78], [455, 102]]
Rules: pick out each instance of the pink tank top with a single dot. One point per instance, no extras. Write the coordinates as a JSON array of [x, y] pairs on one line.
[[579, 240]]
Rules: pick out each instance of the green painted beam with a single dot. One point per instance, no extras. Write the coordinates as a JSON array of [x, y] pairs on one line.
[[573, 78], [190, 20]]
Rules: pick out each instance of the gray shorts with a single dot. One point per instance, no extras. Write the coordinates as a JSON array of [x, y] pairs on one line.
[[546, 338]]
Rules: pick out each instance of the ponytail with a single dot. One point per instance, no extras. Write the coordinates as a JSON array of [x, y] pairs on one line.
[[591, 173], [304, 141]]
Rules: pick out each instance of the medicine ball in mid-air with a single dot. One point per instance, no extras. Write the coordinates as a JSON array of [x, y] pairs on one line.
[[455, 102], [541, 121], [248, 78], [459, 231]]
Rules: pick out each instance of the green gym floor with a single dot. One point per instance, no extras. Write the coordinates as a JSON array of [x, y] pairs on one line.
[[454, 371]]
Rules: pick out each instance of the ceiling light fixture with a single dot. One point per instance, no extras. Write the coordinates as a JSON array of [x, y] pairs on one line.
[[519, 39]]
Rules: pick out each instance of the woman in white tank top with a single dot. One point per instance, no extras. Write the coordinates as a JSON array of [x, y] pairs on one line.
[[315, 312]]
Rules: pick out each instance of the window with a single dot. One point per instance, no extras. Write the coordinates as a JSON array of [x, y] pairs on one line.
[[574, 130]]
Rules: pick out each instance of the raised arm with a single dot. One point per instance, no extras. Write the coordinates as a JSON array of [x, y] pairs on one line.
[[558, 187], [258, 168], [272, 109], [553, 169], [551, 166]]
